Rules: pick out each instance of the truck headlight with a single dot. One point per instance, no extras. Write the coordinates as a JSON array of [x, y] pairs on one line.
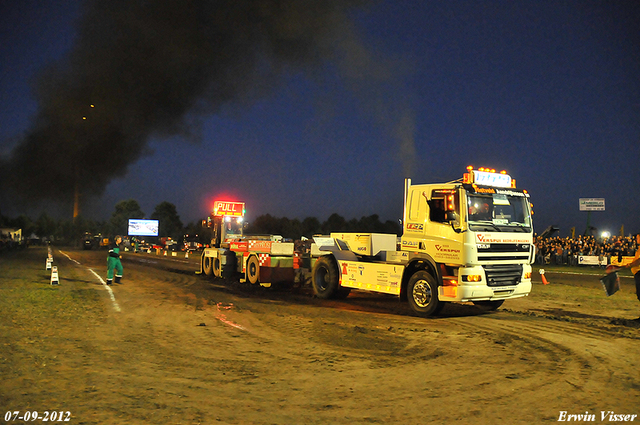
[[471, 278]]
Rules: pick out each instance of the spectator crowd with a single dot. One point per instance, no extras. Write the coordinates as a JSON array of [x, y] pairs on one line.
[[559, 251]]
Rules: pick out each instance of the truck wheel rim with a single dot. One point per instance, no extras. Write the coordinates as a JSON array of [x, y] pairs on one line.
[[422, 293]]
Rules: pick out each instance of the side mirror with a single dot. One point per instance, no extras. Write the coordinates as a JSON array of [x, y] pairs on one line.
[[452, 218]]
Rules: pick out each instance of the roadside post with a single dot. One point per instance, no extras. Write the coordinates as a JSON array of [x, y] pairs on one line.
[[54, 275]]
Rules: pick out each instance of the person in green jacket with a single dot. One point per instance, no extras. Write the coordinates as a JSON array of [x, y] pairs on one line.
[[113, 261]]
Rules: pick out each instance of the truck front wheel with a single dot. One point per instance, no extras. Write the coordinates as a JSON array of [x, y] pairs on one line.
[[422, 293], [324, 278]]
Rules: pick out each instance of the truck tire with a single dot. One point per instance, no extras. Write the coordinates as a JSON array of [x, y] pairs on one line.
[[489, 305], [253, 270], [217, 267], [324, 278], [422, 294], [207, 266]]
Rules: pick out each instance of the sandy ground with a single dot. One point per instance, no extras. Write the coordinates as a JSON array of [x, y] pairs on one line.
[[171, 347]]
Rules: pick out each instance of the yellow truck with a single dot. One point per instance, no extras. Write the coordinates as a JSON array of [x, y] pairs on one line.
[[467, 240]]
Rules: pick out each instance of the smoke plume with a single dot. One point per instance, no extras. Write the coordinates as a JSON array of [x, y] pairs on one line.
[[146, 68]]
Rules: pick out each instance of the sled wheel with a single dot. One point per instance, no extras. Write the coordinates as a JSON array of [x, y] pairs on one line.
[[253, 270], [217, 267], [207, 266]]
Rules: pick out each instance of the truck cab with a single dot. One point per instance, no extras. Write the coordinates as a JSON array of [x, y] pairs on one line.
[[227, 222], [477, 233]]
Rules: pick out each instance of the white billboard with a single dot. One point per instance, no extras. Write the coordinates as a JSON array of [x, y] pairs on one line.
[[143, 227], [591, 204]]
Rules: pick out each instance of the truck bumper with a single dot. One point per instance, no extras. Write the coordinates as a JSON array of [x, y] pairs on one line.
[[484, 292], [480, 291]]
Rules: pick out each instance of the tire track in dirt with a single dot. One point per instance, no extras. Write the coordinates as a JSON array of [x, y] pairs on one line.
[[583, 357]]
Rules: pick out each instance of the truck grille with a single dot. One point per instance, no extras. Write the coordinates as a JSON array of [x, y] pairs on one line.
[[505, 247], [503, 275], [504, 251]]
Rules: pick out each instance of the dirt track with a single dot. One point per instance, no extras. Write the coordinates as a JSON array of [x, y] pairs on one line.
[[186, 350]]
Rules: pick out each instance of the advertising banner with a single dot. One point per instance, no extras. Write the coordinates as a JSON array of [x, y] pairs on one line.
[[591, 204], [591, 260], [143, 227]]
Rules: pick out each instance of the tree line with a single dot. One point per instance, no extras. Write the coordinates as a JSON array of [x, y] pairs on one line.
[[72, 231], [170, 225], [294, 228]]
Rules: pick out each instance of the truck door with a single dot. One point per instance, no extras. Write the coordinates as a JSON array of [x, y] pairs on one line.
[[442, 230]]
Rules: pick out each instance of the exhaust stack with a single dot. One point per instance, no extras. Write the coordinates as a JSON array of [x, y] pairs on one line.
[[407, 185]]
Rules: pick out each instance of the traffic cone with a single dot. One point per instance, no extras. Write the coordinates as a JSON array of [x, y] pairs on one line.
[[544, 279], [186, 254], [165, 253], [54, 275]]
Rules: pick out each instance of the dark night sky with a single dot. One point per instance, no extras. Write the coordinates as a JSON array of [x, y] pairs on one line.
[[547, 90]]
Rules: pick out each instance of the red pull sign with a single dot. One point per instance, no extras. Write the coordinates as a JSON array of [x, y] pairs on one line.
[[228, 208]]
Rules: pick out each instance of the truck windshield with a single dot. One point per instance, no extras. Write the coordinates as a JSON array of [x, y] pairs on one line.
[[232, 226], [498, 212]]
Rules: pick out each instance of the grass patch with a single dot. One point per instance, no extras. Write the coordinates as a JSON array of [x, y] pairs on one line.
[[39, 321], [27, 297]]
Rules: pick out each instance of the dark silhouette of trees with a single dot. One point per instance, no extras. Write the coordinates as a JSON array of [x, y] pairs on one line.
[[45, 226], [169, 223], [197, 230], [311, 226], [294, 229], [71, 233], [124, 210]]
